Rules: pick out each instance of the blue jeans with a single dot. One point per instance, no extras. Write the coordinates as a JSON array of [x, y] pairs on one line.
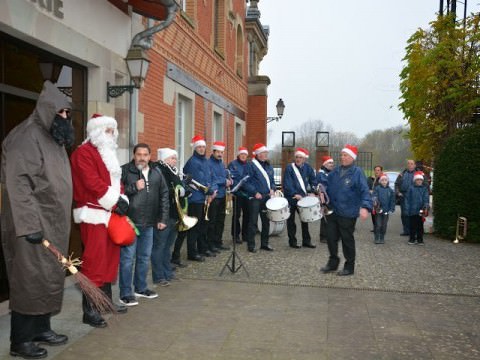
[[139, 253], [161, 253]]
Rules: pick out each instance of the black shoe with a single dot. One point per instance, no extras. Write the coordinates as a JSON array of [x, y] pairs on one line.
[[223, 247], [120, 309], [28, 350], [404, 234], [266, 247], [310, 246], [51, 338], [178, 263], [208, 253], [214, 250], [237, 240], [328, 268], [198, 258], [295, 246], [323, 240], [252, 250], [345, 272], [94, 319]]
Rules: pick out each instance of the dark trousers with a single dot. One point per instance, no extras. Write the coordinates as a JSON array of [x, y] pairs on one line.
[[292, 228], [196, 236], [240, 209], [404, 216], [257, 207], [216, 223], [26, 327], [416, 227], [381, 222], [323, 228], [178, 245], [339, 227], [374, 217]]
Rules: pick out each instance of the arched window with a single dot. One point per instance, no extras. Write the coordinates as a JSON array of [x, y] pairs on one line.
[[219, 26]]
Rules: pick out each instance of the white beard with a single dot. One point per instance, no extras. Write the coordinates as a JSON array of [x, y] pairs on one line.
[[106, 145]]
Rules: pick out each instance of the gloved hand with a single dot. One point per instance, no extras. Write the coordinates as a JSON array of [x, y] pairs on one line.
[[182, 191], [35, 238], [121, 207]]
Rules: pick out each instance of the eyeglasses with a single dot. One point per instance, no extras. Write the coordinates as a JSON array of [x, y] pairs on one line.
[[66, 111]]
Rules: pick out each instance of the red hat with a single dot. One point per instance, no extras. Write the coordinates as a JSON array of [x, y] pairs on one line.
[[351, 150], [326, 159], [302, 152], [242, 150], [198, 140], [382, 175], [99, 121], [218, 145], [417, 175], [259, 148]]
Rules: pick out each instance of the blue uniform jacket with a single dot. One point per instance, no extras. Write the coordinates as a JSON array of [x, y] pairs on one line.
[[291, 186], [197, 166], [322, 176], [416, 199], [348, 193], [386, 198], [219, 176], [256, 182]]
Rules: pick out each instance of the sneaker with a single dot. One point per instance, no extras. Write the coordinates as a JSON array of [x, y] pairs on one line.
[[162, 283], [129, 301], [420, 242], [149, 294], [411, 242]]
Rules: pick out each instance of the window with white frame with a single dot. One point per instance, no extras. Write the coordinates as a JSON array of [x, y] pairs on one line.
[[183, 129], [217, 130], [238, 136]]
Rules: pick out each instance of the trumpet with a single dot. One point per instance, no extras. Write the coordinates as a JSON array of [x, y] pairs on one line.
[[184, 222]]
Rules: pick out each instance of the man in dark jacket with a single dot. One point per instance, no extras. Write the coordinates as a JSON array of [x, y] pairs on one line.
[[402, 184], [147, 192], [349, 199], [322, 178], [36, 205], [298, 181]]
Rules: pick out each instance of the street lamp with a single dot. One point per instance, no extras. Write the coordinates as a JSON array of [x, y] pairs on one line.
[[137, 64], [280, 109]]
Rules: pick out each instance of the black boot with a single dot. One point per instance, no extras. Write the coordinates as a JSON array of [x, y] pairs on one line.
[[107, 289], [382, 239], [28, 350], [91, 316], [377, 239]]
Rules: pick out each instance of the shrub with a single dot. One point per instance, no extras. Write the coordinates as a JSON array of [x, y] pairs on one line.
[[456, 185]]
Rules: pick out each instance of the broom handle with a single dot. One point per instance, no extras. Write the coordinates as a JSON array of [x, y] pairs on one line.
[[73, 270]]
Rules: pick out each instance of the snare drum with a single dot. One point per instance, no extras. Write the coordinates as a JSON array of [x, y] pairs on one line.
[[276, 228], [309, 209], [277, 209]]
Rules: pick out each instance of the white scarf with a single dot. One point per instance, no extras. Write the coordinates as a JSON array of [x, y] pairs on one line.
[[262, 170], [299, 177]]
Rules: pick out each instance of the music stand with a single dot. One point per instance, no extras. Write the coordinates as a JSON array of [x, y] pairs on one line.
[[233, 267]]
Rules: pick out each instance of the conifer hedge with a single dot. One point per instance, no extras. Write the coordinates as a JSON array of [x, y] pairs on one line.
[[456, 184]]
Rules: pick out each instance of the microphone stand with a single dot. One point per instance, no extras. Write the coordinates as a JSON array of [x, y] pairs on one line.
[[234, 267]]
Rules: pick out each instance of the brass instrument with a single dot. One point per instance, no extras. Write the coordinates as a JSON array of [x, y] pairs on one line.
[[185, 222], [199, 186], [206, 207], [461, 232], [320, 189], [228, 196]]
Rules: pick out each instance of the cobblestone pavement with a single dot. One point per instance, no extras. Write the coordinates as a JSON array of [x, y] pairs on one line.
[[404, 302]]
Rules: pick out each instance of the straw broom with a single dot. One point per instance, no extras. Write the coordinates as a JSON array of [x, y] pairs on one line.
[[97, 298]]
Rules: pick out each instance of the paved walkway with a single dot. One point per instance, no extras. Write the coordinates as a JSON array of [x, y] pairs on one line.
[[404, 302]]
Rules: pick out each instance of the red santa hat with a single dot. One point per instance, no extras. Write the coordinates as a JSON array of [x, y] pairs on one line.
[[198, 140], [302, 152], [259, 148], [326, 159], [382, 175], [351, 150], [218, 145], [242, 150], [418, 175], [165, 153], [99, 121]]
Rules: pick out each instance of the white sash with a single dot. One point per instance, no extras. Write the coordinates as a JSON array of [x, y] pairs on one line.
[[262, 170], [299, 178]]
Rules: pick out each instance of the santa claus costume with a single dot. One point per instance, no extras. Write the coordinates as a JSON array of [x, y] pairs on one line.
[[97, 189]]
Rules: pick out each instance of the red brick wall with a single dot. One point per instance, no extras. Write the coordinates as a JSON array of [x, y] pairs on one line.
[[257, 115]]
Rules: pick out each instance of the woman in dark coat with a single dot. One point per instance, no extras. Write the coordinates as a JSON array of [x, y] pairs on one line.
[[36, 205]]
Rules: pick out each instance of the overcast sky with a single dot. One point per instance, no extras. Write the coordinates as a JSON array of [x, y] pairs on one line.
[[339, 60]]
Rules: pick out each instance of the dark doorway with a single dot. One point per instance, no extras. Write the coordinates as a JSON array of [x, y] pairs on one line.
[[23, 69]]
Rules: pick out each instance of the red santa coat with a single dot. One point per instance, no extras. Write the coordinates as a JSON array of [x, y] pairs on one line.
[[95, 192]]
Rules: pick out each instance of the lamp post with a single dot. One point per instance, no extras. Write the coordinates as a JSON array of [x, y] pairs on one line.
[[137, 64], [280, 109]]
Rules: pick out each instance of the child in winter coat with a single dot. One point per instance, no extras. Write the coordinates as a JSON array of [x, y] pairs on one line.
[[417, 205], [384, 204]]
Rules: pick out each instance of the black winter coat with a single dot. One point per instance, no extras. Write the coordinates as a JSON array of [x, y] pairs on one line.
[[149, 206], [172, 180]]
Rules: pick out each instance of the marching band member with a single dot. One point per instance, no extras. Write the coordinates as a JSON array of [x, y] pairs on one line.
[[322, 178], [197, 167], [260, 186], [216, 210], [238, 170], [298, 181]]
